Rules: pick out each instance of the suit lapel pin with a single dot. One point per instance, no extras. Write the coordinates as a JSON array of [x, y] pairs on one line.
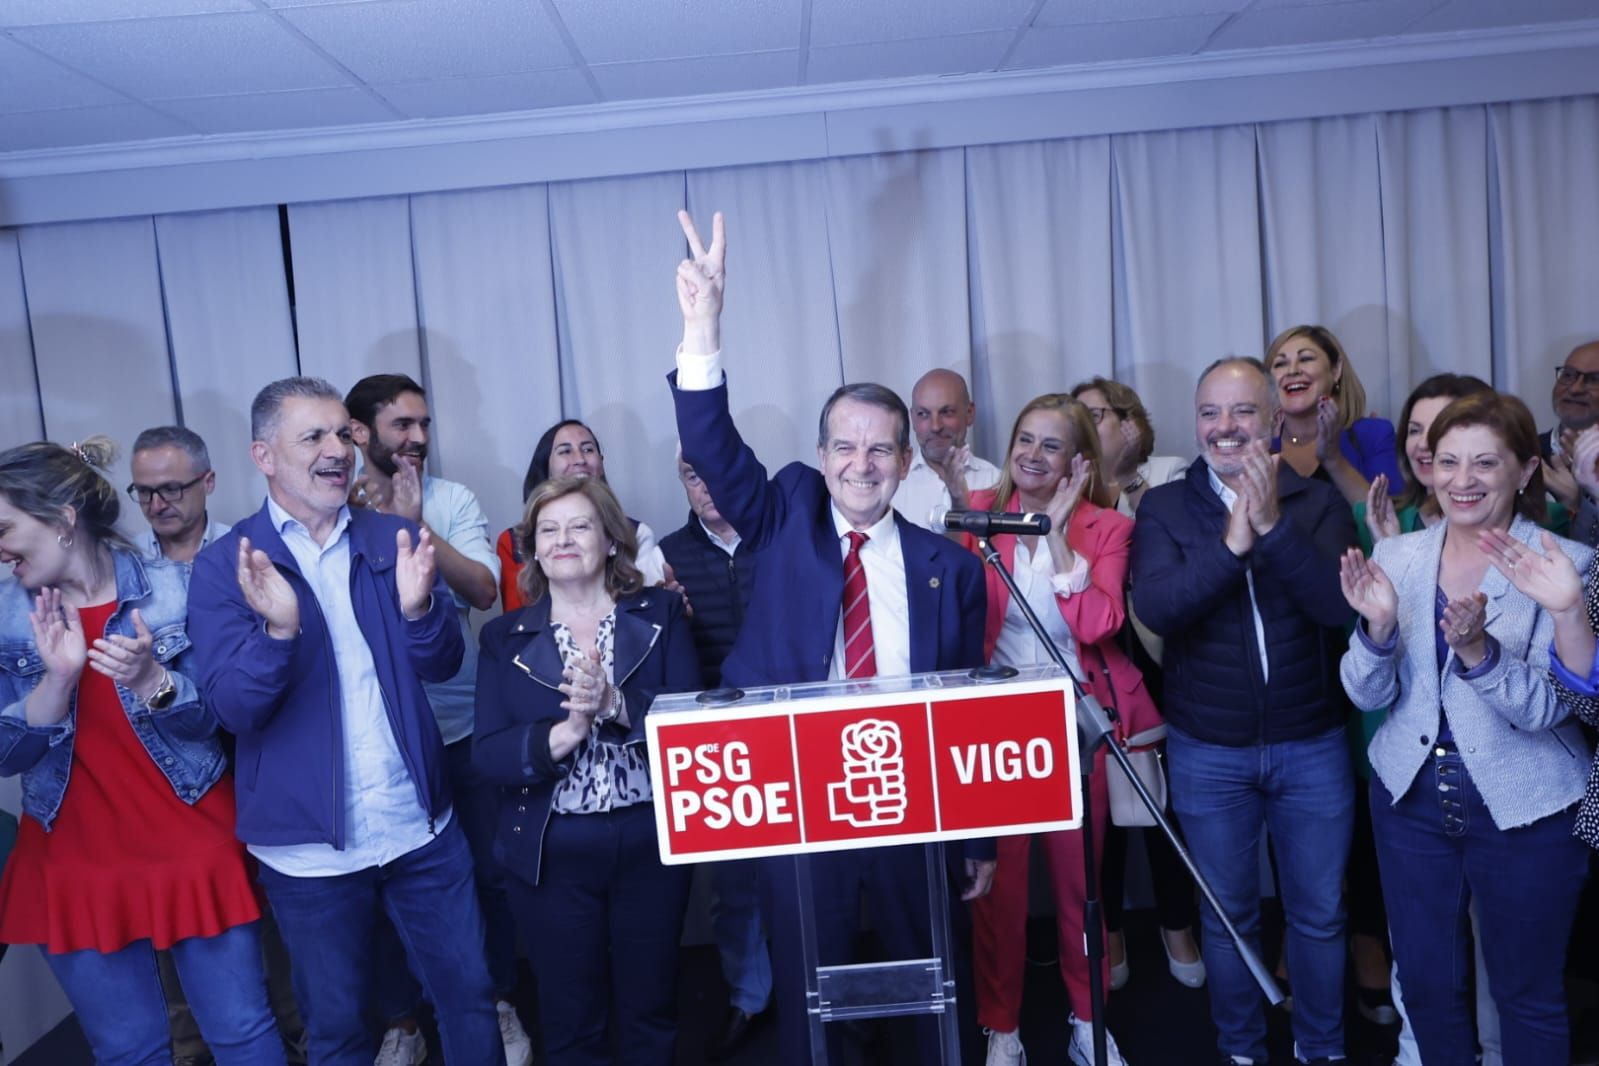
[[932, 582]]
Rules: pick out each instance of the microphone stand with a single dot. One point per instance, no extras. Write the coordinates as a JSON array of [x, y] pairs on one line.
[[1094, 729]]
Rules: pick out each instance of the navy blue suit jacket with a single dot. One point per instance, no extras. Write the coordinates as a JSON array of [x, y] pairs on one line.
[[789, 631]]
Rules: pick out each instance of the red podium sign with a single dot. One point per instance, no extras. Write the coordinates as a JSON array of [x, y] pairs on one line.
[[837, 772]]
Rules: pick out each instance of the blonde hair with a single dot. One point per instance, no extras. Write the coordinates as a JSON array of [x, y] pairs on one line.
[[1085, 442], [622, 576], [1348, 392], [44, 479]]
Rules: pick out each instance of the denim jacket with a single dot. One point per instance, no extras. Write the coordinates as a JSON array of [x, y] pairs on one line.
[[182, 740]]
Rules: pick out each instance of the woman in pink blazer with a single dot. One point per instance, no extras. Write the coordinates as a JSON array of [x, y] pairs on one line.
[[1075, 578]]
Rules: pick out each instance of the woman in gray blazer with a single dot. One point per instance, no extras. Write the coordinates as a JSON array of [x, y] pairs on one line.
[[1479, 764]]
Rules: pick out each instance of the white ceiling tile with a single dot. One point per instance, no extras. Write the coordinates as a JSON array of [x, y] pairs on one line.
[[1080, 12], [1483, 14], [414, 40], [1053, 46], [484, 96], [1313, 24], [905, 59], [85, 125], [301, 108], [703, 74], [854, 22], [51, 12], [201, 55], [30, 82], [607, 31]]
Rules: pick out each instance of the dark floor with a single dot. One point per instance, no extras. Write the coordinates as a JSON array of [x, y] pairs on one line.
[[1156, 1021]]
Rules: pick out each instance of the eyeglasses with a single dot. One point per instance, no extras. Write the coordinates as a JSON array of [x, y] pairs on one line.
[[1564, 375], [1098, 413], [171, 492]]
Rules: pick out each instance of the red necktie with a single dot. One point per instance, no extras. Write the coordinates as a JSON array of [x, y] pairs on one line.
[[860, 657]]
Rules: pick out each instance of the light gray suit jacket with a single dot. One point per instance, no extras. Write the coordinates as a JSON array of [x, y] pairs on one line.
[[1524, 751]]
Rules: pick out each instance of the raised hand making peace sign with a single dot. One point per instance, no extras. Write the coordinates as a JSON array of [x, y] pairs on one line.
[[700, 281]]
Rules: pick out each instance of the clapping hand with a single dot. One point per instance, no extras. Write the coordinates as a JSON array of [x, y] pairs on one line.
[[267, 592], [1327, 429], [1370, 593], [1548, 578], [1260, 487], [414, 571], [58, 634], [1585, 460], [952, 472], [1559, 478], [670, 583], [405, 490], [701, 279], [1381, 518], [127, 660], [1069, 492], [586, 688], [1465, 627]]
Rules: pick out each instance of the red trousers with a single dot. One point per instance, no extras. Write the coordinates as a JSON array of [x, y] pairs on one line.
[[999, 919]]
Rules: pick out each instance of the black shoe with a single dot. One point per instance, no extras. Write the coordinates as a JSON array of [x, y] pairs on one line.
[[735, 1033]]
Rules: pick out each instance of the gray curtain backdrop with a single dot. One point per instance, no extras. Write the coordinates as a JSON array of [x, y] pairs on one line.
[[1459, 239]]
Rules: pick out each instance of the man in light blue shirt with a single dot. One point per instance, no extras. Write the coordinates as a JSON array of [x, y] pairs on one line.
[[315, 627], [392, 426]]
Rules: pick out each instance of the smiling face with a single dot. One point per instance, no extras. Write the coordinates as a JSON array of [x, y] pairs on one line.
[[569, 540], [307, 462], [31, 548], [1476, 477], [1576, 402], [1041, 451], [1231, 409], [1422, 415], [169, 466], [575, 453], [861, 460], [399, 434], [1303, 374], [941, 413]]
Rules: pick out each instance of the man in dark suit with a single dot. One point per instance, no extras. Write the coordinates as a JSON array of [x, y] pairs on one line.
[[915, 603], [1575, 399]]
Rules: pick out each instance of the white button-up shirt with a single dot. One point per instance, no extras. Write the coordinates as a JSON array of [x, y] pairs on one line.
[[1035, 576], [884, 562], [383, 813]]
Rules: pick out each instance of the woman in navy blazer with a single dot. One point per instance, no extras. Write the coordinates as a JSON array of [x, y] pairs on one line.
[[1479, 764], [563, 687]]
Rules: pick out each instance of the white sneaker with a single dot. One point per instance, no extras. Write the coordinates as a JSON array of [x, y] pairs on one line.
[[1005, 1049], [401, 1048], [1081, 1049], [518, 1048]]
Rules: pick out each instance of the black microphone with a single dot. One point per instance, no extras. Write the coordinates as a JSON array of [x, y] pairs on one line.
[[991, 523]]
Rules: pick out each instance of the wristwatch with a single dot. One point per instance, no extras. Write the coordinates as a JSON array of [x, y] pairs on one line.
[[165, 693]]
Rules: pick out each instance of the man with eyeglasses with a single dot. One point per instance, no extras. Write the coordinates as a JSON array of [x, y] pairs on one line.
[[172, 480], [1576, 403]]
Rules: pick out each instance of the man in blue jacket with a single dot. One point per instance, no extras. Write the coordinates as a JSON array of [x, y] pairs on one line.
[[846, 588], [315, 627], [1236, 565]]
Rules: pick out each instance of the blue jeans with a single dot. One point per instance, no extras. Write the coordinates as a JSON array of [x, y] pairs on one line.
[[119, 1003], [1440, 853], [1303, 793], [476, 809], [330, 926], [740, 937], [603, 926]]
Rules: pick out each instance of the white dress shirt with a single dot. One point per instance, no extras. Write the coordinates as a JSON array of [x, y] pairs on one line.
[[1229, 499], [884, 562], [728, 546], [383, 815], [1035, 576], [923, 498], [150, 545]]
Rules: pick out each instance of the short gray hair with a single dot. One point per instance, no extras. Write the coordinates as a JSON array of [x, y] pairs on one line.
[[184, 439], [875, 395], [267, 407]]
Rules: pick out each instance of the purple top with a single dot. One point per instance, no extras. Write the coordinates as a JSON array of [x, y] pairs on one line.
[[1369, 447]]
